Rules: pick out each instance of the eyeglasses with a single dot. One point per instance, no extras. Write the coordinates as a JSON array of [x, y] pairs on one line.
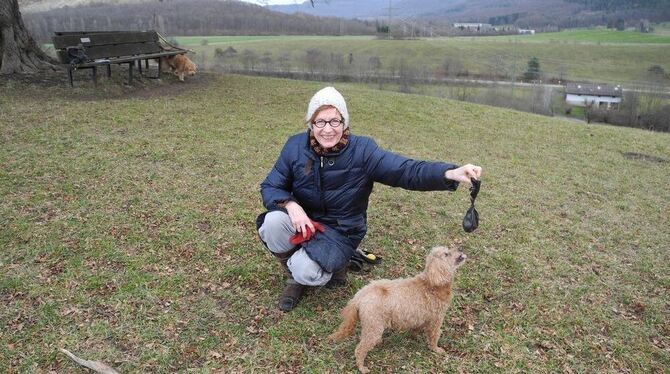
[[321, 123]]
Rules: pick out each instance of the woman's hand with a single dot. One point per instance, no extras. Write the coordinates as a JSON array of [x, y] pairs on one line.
[[464, 173], [299, 218]]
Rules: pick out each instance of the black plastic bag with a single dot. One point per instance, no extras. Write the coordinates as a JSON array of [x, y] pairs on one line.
[[471, 219]]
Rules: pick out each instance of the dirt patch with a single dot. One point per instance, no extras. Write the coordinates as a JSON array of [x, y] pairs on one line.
[[643, 157], [169, 85], [55, 83]]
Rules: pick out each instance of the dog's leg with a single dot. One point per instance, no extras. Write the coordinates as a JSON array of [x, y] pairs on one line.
[[433, 332], [371, 334], [417, 333]]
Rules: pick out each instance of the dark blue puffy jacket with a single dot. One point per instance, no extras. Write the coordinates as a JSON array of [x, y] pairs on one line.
[[335, 189]]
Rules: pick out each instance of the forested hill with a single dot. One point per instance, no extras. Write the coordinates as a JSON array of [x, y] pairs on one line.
[[522, 13], [614, 5], [188, 17]]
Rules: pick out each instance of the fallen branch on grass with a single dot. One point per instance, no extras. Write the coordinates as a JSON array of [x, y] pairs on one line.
[[96, 366]]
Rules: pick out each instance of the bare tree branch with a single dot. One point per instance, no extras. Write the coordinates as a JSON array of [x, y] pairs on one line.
[[96, 366]]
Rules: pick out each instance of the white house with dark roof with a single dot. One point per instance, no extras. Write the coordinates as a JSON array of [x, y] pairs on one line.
[[596, 95]]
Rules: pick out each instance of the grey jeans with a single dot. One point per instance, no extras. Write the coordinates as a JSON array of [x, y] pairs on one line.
[[276, 232]]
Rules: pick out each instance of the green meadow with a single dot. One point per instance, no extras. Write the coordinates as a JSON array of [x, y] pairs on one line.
[[189, 41], [662, 28], [596, 36], [601, 56], [127, 233]]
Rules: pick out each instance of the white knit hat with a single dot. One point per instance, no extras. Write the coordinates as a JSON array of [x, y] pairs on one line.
[[328, 96]]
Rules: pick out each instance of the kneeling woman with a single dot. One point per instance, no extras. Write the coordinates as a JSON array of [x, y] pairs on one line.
[[325, 175]]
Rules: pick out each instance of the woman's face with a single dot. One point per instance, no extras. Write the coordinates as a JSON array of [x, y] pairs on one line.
[[328, 136]]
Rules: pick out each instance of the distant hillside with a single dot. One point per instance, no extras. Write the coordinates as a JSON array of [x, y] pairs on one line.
[[523, 13], [338, 8], [30, 6], [187, 17], [615, 5]]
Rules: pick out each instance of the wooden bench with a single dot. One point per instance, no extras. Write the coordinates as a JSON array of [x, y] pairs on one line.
[[90, 49]]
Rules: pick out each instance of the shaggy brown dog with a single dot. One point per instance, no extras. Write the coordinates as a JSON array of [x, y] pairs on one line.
[[417, 304], [180, 65], [166, 63]]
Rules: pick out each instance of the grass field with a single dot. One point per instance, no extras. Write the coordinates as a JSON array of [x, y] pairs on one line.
[[596, 36], [593, 55], [662, 28], [566, 55], [127, 234], [190, 41], [590, 36]]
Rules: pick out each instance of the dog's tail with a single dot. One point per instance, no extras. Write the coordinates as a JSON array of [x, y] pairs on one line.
[[350, 317]]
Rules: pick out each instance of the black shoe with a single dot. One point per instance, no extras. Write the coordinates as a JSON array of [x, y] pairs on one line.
[[291, 295], [339, 279]]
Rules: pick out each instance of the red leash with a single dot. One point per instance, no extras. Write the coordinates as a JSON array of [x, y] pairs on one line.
[[298, 238]]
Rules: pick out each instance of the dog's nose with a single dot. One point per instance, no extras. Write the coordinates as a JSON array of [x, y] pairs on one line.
[[461, 257]]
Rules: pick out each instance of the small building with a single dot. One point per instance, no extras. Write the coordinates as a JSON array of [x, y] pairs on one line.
[[596, 95]]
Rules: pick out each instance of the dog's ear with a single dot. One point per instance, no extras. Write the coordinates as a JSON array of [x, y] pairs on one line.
[[437, 270]]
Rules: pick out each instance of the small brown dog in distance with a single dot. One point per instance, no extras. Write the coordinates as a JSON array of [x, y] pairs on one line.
[[417, 304], [180, 65]]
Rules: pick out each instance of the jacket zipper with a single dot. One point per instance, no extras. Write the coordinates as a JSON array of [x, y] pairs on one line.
[[323, 203]]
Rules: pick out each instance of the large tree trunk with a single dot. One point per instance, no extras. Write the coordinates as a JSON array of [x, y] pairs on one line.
[[18, 51]]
